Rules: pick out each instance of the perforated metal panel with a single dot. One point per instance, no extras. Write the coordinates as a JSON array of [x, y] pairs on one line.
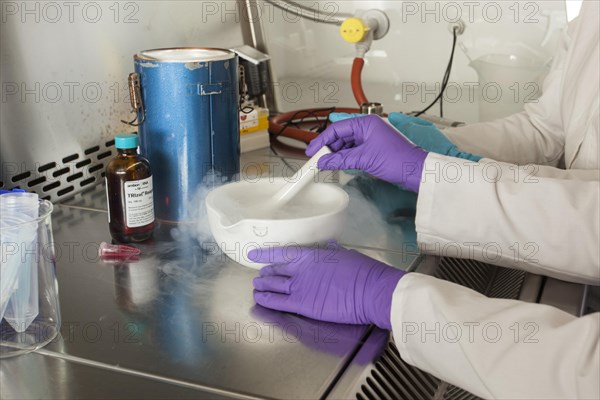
[[67, 175], [392, 378], [492, 281]]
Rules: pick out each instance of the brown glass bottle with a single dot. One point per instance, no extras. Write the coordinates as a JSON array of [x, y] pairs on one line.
[[129, 193]]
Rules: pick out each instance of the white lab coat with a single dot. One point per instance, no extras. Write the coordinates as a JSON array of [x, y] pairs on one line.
[[520, 211]]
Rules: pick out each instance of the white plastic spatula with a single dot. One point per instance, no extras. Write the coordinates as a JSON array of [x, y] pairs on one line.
[[295, 184]]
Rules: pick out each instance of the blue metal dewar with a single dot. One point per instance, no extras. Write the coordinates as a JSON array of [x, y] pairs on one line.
[[190, 125]]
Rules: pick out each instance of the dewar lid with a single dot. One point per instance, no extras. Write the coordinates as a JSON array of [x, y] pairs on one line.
[[185, 54]]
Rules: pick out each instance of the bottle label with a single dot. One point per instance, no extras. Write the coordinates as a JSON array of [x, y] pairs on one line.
[[107, 198], [139, 204]]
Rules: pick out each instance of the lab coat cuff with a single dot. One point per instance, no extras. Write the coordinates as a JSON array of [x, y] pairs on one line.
[[425, 199], [400, 312]]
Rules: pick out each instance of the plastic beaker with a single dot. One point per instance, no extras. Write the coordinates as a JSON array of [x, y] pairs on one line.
[[18, 248], [507, 83]]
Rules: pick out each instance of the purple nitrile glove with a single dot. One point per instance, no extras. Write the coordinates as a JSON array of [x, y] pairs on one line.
[[372, 145], [332, 284]]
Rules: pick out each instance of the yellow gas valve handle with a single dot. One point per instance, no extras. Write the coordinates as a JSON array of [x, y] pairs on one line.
[[353, 30]]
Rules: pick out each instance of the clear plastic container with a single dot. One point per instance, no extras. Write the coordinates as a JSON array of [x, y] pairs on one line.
[[26, 242]]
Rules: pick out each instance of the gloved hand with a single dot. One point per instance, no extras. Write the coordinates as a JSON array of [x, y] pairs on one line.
[[425, 134], [333, 284], [370, 144], [419, 131]]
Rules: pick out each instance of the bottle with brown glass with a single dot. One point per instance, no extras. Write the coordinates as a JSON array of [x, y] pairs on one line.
[[129, 192]]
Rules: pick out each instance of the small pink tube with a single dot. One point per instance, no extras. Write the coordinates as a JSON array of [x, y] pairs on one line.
[[117, 251]]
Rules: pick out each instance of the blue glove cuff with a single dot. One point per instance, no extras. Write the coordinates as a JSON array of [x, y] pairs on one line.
[[467, 156], [335, 117]]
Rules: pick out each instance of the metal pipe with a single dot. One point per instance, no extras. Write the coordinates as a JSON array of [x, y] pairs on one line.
[[309, 13]]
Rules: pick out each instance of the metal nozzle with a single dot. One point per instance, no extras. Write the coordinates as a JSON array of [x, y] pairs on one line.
[[371, 108]]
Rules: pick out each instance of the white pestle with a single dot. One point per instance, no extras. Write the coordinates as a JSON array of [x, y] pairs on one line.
[[299, 180]]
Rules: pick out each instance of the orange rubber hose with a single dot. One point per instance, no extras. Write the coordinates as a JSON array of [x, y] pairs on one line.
[[356, 82], [277, 123]]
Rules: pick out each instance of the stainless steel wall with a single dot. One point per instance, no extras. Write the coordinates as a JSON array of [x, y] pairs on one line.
[[404, 70], [63, 68], [64, 64]]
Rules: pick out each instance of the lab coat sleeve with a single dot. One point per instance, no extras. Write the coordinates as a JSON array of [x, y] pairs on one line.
[[539, 219], [513, 139], [534, 136], [495, 348]]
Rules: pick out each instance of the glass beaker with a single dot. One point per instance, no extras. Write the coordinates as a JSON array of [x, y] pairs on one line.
[[27, 242]]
